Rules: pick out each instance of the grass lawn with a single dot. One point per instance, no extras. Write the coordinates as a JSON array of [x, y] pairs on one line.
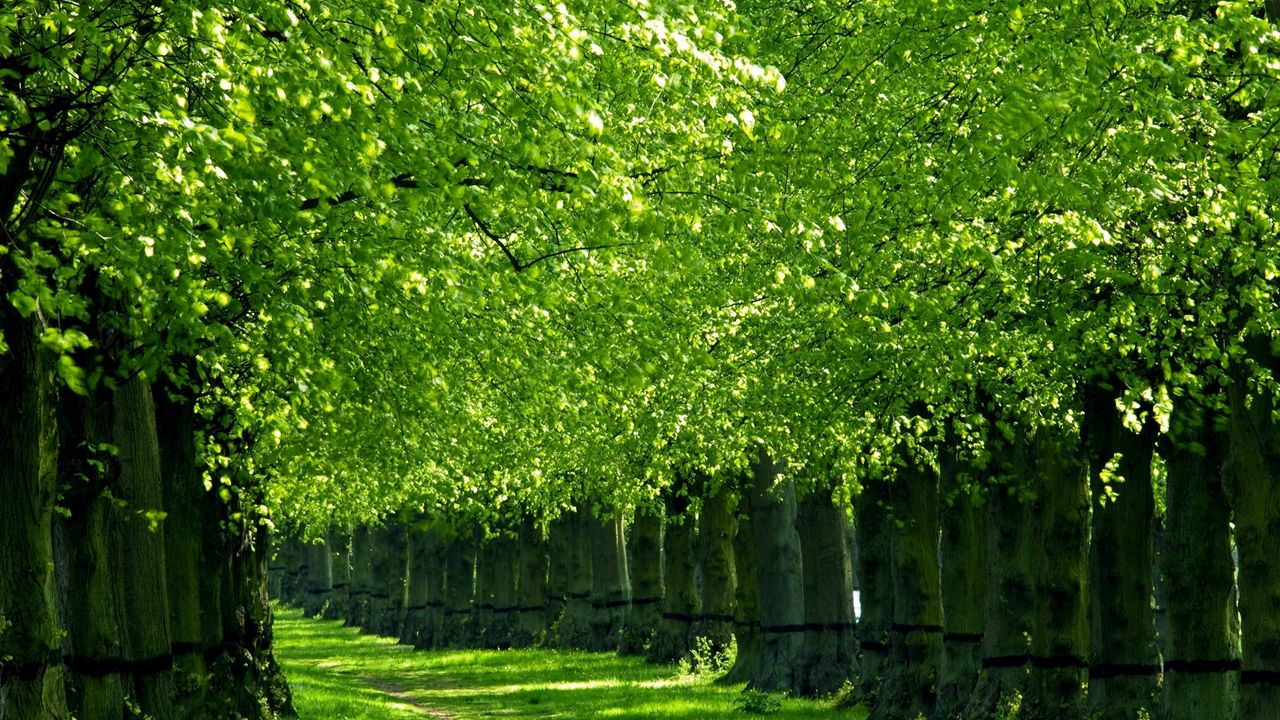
[[338, 674]]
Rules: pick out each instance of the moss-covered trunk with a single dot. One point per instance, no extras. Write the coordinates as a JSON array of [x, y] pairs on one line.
[[1201, 664], [1009, 591], [1252, 482], [574, 629], [86, 589], [746, 609], [610, 583], [185, 536], [681, 601], [962, 555], [1125, 663], [456, 630], [828, 653], [506, 603], [647, 586], [871, 528], [340, 560], [317, 590], [717, 526], [531, 621], [482, 603], [138, 547], [780, 575], [1060, 557], [559, 566], [361, 577], [909, 688], [425, 560], [388, 561]]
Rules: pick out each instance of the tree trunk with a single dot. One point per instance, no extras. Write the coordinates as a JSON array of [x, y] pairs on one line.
[[746, 613], [610, 584], [1060, 635], [1201, 677], [456, 630], [482, 603], [559, 566], [139, 562], [909, 688], [185, 537], [717, 526], [531, 625], [361, 577], [505, 601], [318, 587], [872, 525], [1009, 601], [1122, 679], [780, 574], [828, 659], [424, 560], [86, 588], [680, 602], [646, 583], [387, 562], [574, 630], [1252, 482], [962, 556], [340, 560]]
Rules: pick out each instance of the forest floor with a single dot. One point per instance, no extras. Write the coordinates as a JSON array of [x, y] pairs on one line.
[[338, 674]]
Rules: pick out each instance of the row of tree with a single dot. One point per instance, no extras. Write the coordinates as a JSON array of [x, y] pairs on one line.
[[1031, 593], [490, 260]]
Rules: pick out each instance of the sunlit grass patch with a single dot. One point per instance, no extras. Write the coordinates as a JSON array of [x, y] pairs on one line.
[[337, 673]]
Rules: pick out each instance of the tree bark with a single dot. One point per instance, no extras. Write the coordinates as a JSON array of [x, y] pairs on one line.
[[717, 526], [1009, 601], [779, 572], [505, 601], [388, 561], [680, 602], [86, 588], [574, 630], [531, 624], [746, 613], [646, 583], [340, 560], [610, 583], [963, 557], [915, 636], [139, 562], [482, 603], [456, 630], [1201, 666], [872, 526], [1252, 481], [361, 577], [424, 562], [1126, 663], [828, 659], [1060, 556], [318, 581]]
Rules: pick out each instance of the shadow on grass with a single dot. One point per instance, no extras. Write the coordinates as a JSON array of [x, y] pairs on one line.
[[329, 664]]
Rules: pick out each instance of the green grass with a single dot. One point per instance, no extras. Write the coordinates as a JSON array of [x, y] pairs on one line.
[[338, 674]]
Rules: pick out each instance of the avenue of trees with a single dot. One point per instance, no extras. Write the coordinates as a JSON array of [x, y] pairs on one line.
[[647, 326]]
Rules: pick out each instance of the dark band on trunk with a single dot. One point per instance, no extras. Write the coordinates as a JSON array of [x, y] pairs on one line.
[[678, 617], [577, 596], [874, 646], [1110, 670], [504, 610], [645, 601], [959, 637], [782, 629], [339, 586], [101, 667], [30, 670], [485, 606], [1202, 666], [533, 608], [905, 629], [1260, 677], [1060, 662], [457, 611], [435, 604], [415, 608], [319, 591], [1005, 661]]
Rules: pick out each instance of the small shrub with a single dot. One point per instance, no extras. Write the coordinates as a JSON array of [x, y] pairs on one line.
[[758, 702]]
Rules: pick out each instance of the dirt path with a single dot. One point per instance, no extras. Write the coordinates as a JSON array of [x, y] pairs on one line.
[[400, 694]]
